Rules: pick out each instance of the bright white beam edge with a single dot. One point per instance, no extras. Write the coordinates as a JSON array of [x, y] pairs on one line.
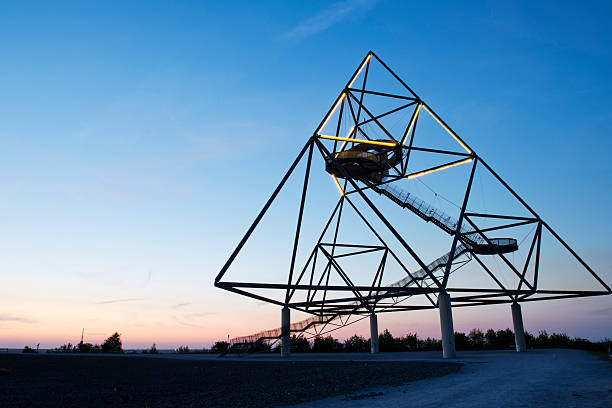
[[338, 184], [414, 118], [348, 136], [347, 140], [447, 166], [342, 96], [359, 71], [450, 132]]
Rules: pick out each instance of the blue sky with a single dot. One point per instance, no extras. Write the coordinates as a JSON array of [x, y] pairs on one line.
[[138, 140]]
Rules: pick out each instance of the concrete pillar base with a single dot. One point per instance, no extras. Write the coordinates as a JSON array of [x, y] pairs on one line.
[[519, 330], [446, 326], [373, 333], [285, 332]]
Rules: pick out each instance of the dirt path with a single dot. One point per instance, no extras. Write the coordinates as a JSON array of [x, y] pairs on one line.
[[538, 378]]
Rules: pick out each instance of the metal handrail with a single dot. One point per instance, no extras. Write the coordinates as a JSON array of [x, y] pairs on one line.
[[302, 325], [427, 211]]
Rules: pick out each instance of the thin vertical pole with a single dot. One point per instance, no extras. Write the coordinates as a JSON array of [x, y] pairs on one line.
[[299, 223], [537, 260], [451, 256], [535, 237]]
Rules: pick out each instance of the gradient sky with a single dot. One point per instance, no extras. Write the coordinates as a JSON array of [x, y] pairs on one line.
[[138, 141]]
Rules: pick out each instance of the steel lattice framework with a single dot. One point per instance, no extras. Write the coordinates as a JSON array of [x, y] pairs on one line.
[[362, 163]]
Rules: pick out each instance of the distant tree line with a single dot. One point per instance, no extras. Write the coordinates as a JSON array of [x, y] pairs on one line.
[[474, 340], [111, 345]]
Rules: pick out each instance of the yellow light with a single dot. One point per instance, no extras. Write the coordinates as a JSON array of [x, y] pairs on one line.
[[450, 132], [418, 109], [360, 68], [331, 112], [446, 166], [345, 142], [346, 139], [351, 131], [338, 184]]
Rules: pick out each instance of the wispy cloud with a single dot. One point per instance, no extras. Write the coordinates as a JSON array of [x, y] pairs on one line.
[[203, 314], [191, 319], [181, 322], [7, 317], [326, 18], [179, 305], [604, 311], [106, 302]]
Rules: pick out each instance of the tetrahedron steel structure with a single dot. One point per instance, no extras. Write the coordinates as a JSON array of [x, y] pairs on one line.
[[371, 144]]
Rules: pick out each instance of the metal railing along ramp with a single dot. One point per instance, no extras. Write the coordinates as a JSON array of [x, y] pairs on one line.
[[419, 276], [474, 240], [427, 212]]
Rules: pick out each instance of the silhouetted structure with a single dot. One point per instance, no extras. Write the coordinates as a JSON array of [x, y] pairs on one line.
[[373, 160]]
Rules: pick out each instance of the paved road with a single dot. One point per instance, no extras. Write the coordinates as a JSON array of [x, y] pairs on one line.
[[538, 378]]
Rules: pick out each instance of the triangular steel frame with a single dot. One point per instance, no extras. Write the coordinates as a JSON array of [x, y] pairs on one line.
[[464, 230]]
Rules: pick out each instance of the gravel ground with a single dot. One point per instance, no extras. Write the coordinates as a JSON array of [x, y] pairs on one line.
[[88, 381], [501, 379]]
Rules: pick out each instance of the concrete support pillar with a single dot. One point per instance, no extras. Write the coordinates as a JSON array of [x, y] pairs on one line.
[[285, 332], [373, 333], [519, 330], [446, 325]]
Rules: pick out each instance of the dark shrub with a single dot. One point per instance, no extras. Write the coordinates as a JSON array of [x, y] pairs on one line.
[[461, 341], [85, 348], [477, 339], [386, 342], [326, 345], [219, 347], [299, 344], [356, 344], [409, 342], [112, 344], [66, 348], [529, 339], [259, 347], [559, 340], [542, 340], [505, 339], [502, 339], [490, 338], [152, 350], [430, 344]]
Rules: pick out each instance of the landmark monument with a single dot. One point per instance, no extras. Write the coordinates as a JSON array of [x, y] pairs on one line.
[[379, 143]]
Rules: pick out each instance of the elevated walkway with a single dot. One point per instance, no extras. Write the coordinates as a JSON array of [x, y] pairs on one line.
[[472, 239], [420, 276]]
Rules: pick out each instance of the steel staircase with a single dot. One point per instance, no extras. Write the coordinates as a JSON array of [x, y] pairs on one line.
[[428, 213], [247, 342]]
